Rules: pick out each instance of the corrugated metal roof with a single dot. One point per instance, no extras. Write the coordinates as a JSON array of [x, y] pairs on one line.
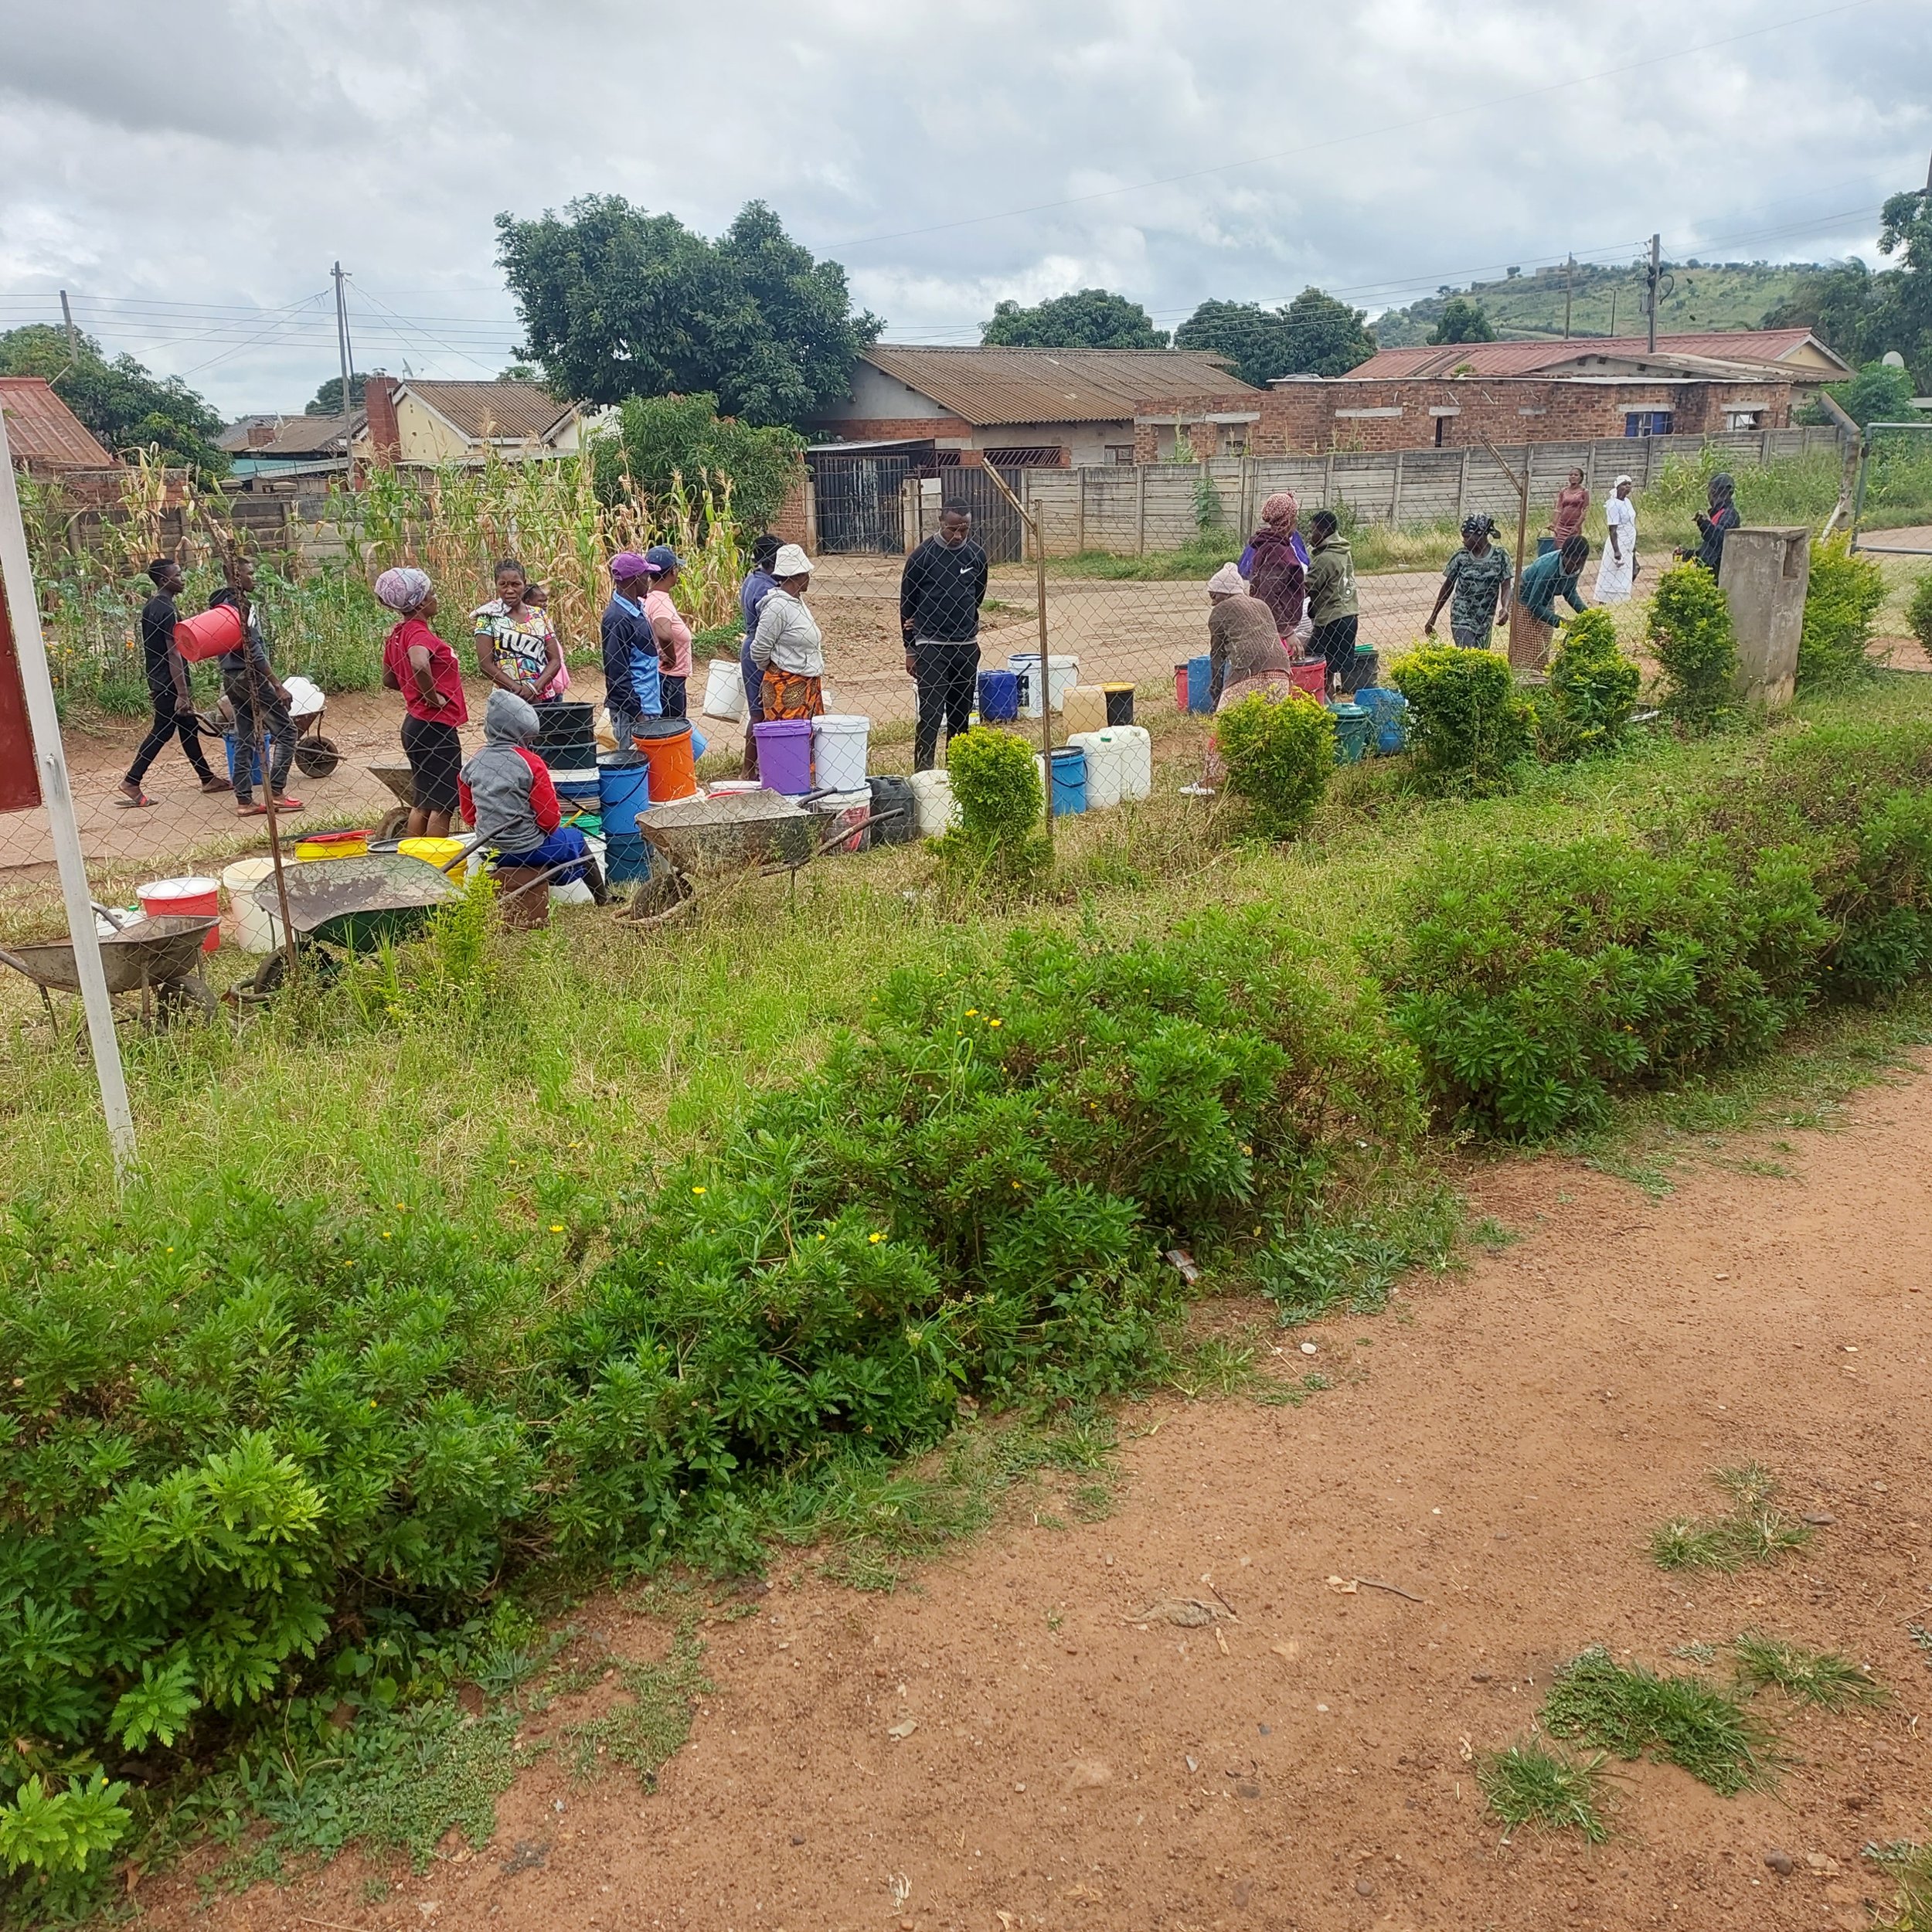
[[297, 436], [43, 430], [489, 410], [1771, 345], [985, 386]]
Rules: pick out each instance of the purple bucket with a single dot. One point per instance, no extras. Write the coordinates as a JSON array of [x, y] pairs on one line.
[[784, 754]]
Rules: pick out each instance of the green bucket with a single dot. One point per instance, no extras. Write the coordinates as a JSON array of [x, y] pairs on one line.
[[1353, 723]]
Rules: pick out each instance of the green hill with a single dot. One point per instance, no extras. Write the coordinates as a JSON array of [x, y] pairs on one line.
[[1700, 295]]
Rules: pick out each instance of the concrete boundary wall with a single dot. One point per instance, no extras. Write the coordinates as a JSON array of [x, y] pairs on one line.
[[1130, 510]]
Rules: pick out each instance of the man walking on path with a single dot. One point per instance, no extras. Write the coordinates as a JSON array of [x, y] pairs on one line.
[[259, 698], [166, 688], [940, 594]]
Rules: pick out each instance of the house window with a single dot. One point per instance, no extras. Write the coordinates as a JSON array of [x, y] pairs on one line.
[[1743, 418], [1440, 421], [1121, 453], [1647, 422], [1234, 442]]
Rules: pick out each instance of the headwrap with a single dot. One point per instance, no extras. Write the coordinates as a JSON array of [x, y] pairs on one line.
[[1478, 526], [627, 564], [402, 588], [1280, 511], [1723, 486], [1228, 582], [1621, 480]]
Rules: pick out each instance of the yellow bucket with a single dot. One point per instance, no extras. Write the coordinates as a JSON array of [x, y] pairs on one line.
[[340, 845], [437, 851]]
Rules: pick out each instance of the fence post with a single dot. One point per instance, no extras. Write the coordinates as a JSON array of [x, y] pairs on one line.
[[1462, 486], [1327, 480], [1140, 510], [1079, 510], [1395, 494]]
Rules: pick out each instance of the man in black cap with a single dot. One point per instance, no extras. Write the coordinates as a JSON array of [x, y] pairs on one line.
[[940, 594]]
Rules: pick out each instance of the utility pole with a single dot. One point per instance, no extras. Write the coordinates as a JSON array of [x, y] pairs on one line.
[[1613, 308], [1656, 272], [348, 408], [73, 334], [1569, 283]]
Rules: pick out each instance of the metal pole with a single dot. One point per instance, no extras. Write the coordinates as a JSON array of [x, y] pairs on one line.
[[348, 408], [1656, 270], [1032, 527], [1522, 486], [24, 609], [73, 334], [1569, 283]]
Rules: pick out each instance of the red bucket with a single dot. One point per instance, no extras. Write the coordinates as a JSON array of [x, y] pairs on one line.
[[1311, 677], [161, 897], [212, 634]]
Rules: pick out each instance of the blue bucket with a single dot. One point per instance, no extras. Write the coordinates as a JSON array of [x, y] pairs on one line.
[[1200, 684], [234, 757], [1070, 780], [1389, 711], [999, 696], [626, 858], [625, 785], [580, 791]]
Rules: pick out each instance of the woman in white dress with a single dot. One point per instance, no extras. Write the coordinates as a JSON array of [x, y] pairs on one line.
[[1617, 569]]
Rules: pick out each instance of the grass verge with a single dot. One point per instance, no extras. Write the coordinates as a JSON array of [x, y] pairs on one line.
[[1531, 1783]]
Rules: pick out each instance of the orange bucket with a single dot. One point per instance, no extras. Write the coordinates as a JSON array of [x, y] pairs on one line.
[[210, 633], [666, 745], [1311, 677]]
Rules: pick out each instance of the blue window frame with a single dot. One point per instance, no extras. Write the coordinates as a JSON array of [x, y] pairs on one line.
[[1647, 422]]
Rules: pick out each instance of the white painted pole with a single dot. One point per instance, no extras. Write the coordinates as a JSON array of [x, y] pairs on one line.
[[50, 757]]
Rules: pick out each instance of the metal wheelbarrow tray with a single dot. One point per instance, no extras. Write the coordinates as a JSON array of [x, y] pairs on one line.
[[359, 902], [725, 834], [161, 955]]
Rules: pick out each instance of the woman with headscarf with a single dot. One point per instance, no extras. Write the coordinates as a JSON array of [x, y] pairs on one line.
[[1617, 570], [1722, 520], [1276, 564], [788, 649], [417, 662], [1478, 578], [1245, 652]]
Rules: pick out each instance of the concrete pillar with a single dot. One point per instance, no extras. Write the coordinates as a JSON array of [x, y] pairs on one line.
[[1765, 575]]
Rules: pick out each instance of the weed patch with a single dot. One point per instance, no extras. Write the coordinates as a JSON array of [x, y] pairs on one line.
[[1820, 1677], [644, 1732], [1909, 1867], [1530, 1783], [1753, 1533]]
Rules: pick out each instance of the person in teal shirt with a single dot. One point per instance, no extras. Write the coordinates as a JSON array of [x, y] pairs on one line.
[[1551, 576]]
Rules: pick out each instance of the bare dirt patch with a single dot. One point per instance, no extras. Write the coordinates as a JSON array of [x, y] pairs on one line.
[[1018, 1743]]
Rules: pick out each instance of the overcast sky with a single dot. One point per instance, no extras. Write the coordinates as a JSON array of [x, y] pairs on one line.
[[188, 172]]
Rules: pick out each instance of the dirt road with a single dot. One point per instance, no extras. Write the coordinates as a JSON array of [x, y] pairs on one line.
[[1010, 1744]]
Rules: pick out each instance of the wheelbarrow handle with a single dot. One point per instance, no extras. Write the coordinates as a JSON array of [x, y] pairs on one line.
[[19, 965]]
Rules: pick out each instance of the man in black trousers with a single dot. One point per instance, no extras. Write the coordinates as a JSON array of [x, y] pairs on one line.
[[939, 595], [167, 687]]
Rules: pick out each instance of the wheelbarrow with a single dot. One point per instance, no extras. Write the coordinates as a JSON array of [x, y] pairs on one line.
[[402, 782], [350, 904], [160, 958]]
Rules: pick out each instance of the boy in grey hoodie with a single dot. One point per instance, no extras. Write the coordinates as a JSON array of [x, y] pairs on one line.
[[505, 793]]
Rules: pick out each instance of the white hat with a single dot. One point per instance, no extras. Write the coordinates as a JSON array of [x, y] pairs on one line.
[[1228, 582], [1622, 480], [790, 562]]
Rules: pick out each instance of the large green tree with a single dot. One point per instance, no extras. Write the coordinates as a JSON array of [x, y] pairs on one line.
[[1861, 315], [1315, 335], [1463, 321], [125, 405], [328, 399], [1089, 318], [660, 436], [617, 302]]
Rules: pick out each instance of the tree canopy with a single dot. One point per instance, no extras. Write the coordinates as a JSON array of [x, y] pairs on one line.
[[1463, 321], [124, 404], [659, 435], [617, 302], [1879, 393], [1090, 318], [328, 399], [1315, 335]]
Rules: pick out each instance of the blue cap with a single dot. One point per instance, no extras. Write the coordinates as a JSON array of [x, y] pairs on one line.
[[661, 556]]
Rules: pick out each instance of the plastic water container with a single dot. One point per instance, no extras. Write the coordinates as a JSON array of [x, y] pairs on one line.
[[935, 810], [160, 897], [1106, 766], [1085, 709], [1353, 723], [333, 844], [832, 809], [212, 633], [566, 735], [256, 928], [1200, 684], [1063, 673], [999, 697], [724, 690], [625, 785], [438, 852], [895, 812], [838, 741], [1310, 676], [234, 748], [1136, 745], [1389, 711], [1180, 685], [626, 858], [1068, 781], [669, 749], [784, 754]]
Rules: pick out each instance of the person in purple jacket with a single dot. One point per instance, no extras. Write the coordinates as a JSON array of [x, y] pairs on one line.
[[758, 585]]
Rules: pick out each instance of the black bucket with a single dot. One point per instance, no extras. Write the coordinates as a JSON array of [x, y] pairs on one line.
[[566, 737], [1120, 703], [893, 807]]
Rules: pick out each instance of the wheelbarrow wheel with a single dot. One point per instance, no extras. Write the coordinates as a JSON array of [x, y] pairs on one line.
[[272, 975], [317, 757], [184, 1002], [396, 821]]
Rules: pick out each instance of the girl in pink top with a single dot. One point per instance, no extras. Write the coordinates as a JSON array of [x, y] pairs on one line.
[[668, 626]]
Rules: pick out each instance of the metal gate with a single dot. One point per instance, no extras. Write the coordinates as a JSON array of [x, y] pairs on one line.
[[996, 525], [859, 502]]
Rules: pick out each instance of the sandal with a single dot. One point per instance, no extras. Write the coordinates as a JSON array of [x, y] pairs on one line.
[[251, 811], [290, 804], [211, 783], [140, 801]]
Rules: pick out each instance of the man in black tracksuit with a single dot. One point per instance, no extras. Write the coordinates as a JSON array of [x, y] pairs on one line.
[[939, 595]]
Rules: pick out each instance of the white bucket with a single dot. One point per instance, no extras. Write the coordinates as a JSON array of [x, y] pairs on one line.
[[1106, 767], [724, 690], [1062, 675], [256, 930], [935, 808], [838, 751]]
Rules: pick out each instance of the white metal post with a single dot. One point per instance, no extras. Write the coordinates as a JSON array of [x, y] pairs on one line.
[[50, 756]]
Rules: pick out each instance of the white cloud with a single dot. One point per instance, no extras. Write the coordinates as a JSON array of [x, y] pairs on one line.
[[180, 170]]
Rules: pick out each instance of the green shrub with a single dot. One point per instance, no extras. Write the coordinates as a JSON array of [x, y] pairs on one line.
[[1691, 635], [1535, 980], [1918, 614], [997, 786], [1279, 753], [1466, 722], [1591, 685], [1840, 604]]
